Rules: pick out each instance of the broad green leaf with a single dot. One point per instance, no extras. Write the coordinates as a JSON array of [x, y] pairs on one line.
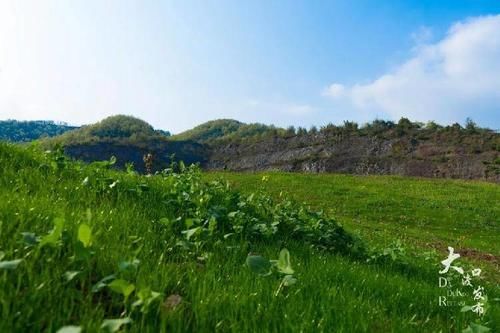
[[129, 265], [466, 308], [69, 329], [121, 286], [284, 265], [189, 223], [82, 252], [476, 328], [145, 297], [30, 238], [289, 280], [114, 325], [85, 235], [259, 265], [53, 237], [190, 232], [70, 275], [166, 221], [103, 283], [12, 264], [2, 254]]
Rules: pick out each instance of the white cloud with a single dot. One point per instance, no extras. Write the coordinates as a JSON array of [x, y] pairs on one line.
[[446, 81], [422, 36], [334, 90]]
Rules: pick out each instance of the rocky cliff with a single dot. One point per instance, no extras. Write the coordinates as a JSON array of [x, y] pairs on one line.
[[445, 157]]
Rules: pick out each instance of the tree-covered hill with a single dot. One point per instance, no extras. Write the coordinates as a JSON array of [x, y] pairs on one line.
[[129, 140], [379, 147], [117, 129], [24, 131], [226, 130]]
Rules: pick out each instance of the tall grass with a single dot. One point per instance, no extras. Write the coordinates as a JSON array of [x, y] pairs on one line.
[[103, 250]]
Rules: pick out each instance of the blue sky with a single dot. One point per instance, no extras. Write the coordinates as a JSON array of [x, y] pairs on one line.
[[176, 64]]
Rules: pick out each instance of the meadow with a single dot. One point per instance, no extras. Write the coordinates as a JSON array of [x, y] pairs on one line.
[[86, 248], [424, 213]]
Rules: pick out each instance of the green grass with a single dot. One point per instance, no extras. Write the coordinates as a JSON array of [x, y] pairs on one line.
[[138, 233], [424, 212]]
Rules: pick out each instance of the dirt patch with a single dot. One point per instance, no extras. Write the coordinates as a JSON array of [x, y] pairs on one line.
[[475, 254]]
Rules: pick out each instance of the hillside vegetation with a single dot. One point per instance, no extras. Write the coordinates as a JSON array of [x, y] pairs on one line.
[[227, 130], [128, 140], [381, 147], [423, 213], [404, 148], [116, 129], [25, 131], [89, 248]]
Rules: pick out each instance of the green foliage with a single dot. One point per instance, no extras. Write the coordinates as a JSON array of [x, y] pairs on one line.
[[24, 131], [120, 127], [476, 328], [264, 267], [227, 130], [210, 130], [85, 235], [115, 129], [69, 329], [284, 266], [10, 264], [259, 265], [53, 237], [107, 250], [383, 209], [114, 325], [121, 286]]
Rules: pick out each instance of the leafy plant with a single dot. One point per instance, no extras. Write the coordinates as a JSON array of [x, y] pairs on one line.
[[264, 267], [10, 264], [114, 325]]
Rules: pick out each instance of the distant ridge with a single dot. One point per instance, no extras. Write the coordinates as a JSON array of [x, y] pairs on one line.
[[381, 147], [128, 139], [226, 130], [118, 129], [25, 131]]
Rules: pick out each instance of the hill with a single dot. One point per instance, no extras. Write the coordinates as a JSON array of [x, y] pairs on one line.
[[226, 130], [381, 147], [90, 247], [25, 131], [118, 129], [128, 139]]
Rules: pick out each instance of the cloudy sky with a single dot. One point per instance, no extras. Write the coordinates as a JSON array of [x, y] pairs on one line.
[[176, 64]]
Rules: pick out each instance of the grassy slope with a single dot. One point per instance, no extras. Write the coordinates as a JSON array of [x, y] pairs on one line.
[[333, 293], [424, 212]]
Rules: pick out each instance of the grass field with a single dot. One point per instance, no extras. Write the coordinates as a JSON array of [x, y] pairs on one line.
[[100, 250], [426, 213]]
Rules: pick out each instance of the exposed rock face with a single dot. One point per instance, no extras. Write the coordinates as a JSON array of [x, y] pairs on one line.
[[354, 154], [360, 155], [189, 152]]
